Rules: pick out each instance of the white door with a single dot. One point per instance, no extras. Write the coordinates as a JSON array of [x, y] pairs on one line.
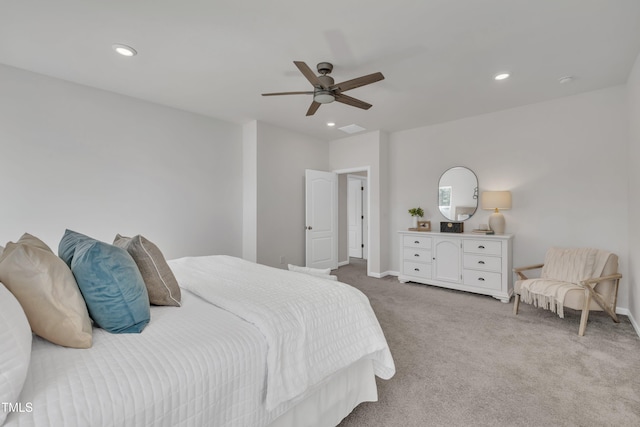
[[355, 190], [321, 195]]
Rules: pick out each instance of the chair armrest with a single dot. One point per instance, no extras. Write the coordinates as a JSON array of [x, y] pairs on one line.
[[594, 280], [519, 270], [588, 286]]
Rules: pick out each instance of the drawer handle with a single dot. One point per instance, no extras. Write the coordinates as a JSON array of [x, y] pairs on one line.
[[480, 247], [416, 255], [480, 262], [416, 269], [481, 279], [417, 242]]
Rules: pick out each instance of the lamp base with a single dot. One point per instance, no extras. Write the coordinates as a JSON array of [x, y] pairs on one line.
[[497, 222]]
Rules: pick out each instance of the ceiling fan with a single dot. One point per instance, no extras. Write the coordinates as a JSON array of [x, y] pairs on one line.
[[326, 91]]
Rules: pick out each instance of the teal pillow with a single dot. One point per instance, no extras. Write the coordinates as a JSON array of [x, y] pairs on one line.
[[109, 281]]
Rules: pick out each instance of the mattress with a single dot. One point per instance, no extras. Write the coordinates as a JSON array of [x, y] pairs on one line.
[[195, 365]]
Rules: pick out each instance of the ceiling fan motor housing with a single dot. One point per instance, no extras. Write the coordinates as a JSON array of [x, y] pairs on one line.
[[327, 81], [322, 95]]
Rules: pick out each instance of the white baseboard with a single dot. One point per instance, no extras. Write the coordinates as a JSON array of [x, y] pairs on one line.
[[623, 311], [634, 324], [383, 274], [341, 263], [626, 312]]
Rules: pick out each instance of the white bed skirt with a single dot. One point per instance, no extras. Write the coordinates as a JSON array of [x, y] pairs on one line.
[[333, 400]]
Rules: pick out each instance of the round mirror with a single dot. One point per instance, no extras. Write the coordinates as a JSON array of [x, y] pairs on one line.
[[458, 193]]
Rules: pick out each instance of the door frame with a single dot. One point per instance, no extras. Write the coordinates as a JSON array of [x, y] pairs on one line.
[[366, 169]]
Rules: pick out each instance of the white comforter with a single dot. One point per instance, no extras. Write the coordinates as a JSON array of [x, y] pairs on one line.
[[194, 365], [308, 338], [200, 365]]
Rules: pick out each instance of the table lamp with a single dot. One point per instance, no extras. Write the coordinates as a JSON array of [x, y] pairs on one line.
[[496, 200]]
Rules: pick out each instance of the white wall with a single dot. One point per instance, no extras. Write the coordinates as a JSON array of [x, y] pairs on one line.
[[282, 157], [358, 152], [250, 191], [100, 163], [565, 162], [633, 278]]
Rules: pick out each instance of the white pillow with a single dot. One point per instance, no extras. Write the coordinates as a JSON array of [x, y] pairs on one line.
[[325, 273], [309, 270], [15, 348]]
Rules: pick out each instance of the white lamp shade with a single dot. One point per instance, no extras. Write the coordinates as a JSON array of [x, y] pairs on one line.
[[496, 200]]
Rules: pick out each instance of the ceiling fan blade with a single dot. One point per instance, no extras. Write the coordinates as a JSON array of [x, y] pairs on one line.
[[357, 82], [352, 101], [309, 74], [287, 93], [313, 108]]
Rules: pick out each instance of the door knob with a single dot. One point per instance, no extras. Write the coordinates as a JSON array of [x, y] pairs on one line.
[[308, 227]]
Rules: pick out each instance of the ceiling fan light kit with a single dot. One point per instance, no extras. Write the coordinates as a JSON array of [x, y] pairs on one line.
[[326, 91], [323, 96]]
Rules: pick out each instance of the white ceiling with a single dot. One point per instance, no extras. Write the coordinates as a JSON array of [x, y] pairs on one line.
[[216, 57]]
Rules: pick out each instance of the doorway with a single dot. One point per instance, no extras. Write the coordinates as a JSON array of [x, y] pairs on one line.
[[356, 218], [340, 234], [353, 215]]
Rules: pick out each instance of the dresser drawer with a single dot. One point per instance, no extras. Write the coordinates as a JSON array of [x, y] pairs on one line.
[[482, 262], [417, 254], [482, 279], [417, 242], [479, 246], [417, 269]]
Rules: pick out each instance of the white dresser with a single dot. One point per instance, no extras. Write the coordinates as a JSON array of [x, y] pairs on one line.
[[467, 262]]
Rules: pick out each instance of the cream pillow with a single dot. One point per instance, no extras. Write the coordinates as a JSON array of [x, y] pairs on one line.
[[47, 292], [31, 240], [15, 349], [161, 284]]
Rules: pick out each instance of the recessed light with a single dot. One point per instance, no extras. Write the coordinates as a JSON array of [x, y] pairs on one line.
[[501, 76], [331, 124], [124, 50]]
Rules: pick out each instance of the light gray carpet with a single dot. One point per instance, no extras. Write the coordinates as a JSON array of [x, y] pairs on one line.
[[465, 360]]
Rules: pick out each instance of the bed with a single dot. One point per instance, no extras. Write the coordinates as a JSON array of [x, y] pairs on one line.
[[250, 346]]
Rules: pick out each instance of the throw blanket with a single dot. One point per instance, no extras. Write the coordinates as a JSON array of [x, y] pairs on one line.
[[313, 327], [563, 270]]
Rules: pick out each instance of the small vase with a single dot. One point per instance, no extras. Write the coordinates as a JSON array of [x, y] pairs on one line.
[[414, 222]]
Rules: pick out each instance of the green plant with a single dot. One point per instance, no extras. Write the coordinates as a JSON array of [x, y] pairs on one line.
[[416, 212]]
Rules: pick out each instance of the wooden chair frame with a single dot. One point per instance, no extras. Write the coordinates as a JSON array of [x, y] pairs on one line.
[[589, 293]]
